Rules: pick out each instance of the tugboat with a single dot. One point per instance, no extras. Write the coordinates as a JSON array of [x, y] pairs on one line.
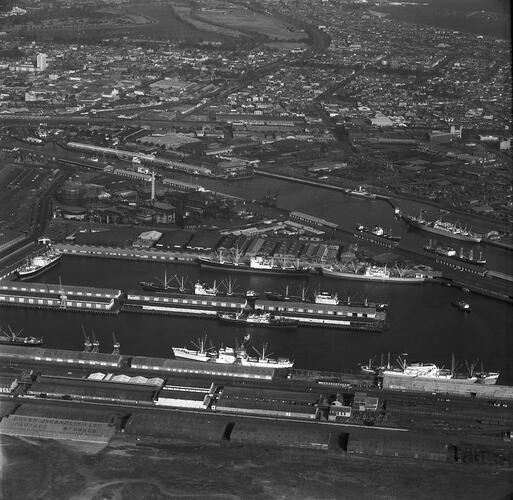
[[263, 320], [462, 305]]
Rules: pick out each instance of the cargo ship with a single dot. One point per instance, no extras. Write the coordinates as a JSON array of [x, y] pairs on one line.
[[13, 338], [443, 228], [366, 272], [160, 285], [378, 231], [230, 356], [430, 371], [266, 320], [200, 353], [38, 265], [287, 297], [321, 297], [451, 252], [257, 265]]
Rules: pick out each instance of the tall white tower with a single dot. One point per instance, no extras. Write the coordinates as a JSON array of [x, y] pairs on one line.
[[153, 185], [41, 63]]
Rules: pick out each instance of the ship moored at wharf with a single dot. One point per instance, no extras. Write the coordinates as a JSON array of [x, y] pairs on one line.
[[378, 232], [446, 251], [231, 355], [59, 297], [366, 317], [443, 228], [11, 337], [430, 372], [257, 265], [366, 272], [484, 387], [370, 317], [322, 297], [266, 320], [38, 264]]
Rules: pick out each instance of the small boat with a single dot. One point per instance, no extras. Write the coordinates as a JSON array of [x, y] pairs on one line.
[[461, 305]]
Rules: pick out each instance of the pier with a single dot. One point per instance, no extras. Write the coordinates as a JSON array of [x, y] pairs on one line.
[[59, 297], [342, 316], [370, 317]]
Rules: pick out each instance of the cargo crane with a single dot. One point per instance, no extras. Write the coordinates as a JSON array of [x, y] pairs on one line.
[[115, 345], [95, 344], [62, 296], [87, 342]]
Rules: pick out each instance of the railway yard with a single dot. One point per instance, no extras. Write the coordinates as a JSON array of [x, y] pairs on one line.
[[93, 398]]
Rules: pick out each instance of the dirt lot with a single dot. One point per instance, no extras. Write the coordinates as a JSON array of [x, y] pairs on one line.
[[50, 470]]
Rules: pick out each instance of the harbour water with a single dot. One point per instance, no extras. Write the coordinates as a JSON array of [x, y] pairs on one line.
[[422, 321]]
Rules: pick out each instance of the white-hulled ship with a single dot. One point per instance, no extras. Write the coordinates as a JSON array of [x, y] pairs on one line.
[[444, 228], [38, 264], [430, 371], [367, 272], [230, 356], [200, 353]]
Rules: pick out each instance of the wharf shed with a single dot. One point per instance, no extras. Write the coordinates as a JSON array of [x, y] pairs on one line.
[[60, 356], [310, 219], [189, 384], [162, 426], [265, 408], [270, 395], [254, 247], [7, 383], [281, 434], [60, 421], [268, 248], [227, 242], [87, 389], [397, 444], [204, 241], [217, 370], [121, 237], [175, 240], [448, 387], [69, 290], [183, 399], [57, 428], [67, 411]]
